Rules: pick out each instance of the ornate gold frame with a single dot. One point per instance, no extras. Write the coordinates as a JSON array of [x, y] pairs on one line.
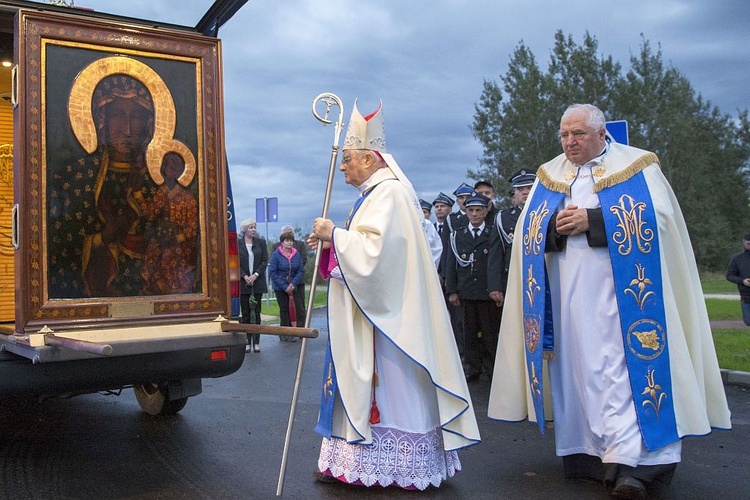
[[135, 51]]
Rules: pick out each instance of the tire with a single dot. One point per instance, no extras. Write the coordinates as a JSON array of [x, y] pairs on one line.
[[153, 400]]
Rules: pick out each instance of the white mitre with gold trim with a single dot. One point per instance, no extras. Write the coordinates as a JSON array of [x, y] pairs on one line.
[[366, 132]]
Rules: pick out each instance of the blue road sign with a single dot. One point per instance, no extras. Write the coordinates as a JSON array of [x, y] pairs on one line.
[[266, 210], [618, 129], [273, 210]]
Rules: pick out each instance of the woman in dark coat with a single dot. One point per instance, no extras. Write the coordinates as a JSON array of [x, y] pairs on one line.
[[287, 275], [253, 261]]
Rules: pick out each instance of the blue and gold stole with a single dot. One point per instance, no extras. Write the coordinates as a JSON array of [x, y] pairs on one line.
[[633, 243], [537, 307]]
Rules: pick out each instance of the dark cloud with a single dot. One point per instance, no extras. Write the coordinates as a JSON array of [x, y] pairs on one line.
[[427, 62]]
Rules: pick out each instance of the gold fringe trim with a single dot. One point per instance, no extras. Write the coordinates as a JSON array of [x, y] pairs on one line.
[[625, 174], [550, 183]]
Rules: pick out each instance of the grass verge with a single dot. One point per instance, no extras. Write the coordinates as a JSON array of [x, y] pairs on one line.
[[714, 283], [724, 310], [732, 348], [732, 344]]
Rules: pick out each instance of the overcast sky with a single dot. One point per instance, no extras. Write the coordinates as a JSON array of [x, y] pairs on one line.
[[427, 61]]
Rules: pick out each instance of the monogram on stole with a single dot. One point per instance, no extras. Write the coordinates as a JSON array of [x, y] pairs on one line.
[[533, 238], [328, 386], [646, 338], [631, 226]]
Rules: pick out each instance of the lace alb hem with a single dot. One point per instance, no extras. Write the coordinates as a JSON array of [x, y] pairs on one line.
[[406, 459]]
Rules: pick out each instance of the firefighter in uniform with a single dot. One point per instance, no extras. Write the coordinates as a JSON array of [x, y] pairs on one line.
[[502, 234], [485, 188], [443, 205], [455, 221], [466, 285]]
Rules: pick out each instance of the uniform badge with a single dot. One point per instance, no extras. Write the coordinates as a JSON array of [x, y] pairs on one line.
[[486, 251], [463, 256]]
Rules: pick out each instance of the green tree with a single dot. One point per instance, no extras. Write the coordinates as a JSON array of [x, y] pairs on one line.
[[521, 131], [514, 133], [580, 75], [705, 154]]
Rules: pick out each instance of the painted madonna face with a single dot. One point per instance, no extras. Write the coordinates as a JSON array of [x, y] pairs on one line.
[[123, 111], [127, 130]]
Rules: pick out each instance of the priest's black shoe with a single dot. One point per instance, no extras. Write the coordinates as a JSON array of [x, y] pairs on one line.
[[629, 488]]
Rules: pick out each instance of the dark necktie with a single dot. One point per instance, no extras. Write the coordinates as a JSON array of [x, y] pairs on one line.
[[476, 232], [440, 229]]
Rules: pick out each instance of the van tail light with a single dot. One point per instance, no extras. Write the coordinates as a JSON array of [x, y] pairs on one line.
[[219, 355]]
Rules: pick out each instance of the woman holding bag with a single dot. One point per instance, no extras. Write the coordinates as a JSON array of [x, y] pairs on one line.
[[287, 273]]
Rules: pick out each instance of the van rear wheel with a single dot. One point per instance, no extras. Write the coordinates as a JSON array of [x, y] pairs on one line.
[[153, 400]]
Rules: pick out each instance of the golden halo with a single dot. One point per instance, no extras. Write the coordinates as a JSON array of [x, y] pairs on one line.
[[163, 142]]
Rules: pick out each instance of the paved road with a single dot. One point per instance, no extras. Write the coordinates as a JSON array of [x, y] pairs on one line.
[[227, 443]]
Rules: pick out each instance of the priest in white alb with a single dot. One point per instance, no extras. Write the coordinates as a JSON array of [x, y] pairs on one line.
[[603, 285]]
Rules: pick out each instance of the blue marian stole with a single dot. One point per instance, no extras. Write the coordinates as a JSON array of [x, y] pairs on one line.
[[633, 243], [537, 308], [324, 426]]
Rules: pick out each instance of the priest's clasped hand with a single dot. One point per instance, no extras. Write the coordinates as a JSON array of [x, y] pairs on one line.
[[572, 220]]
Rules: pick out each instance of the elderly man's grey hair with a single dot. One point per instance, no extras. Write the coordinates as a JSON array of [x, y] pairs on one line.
[[596, 116]]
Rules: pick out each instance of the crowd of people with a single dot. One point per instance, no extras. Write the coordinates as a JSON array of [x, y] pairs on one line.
[[577, 297]]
